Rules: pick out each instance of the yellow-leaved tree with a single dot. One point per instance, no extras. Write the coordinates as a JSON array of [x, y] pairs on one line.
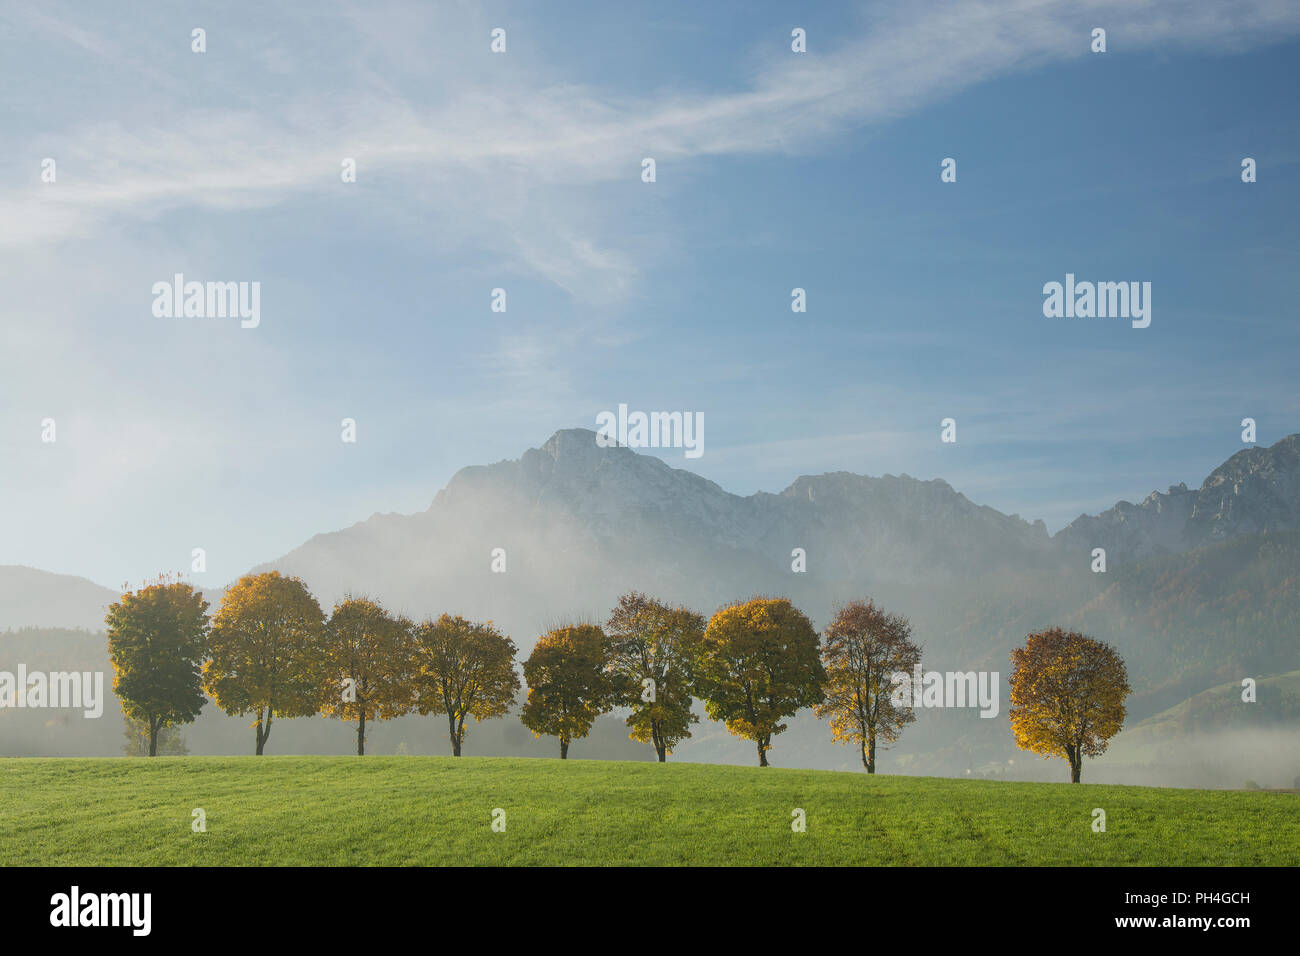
[[1067, 696], [369, 665], [760, 662], [652, 653], [265, 651], [464, 669]]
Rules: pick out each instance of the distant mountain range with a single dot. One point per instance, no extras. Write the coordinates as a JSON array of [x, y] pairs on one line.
[[568, 508], [580, 524]]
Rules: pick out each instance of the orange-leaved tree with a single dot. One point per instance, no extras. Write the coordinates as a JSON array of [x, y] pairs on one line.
[[1067, 696], [157, 639], [568, 686], [368, 665], [760, 662], [652, 653], [464, 669], [266, 651], [863, 648]]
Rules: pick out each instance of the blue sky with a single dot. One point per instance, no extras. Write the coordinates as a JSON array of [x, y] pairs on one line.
[[775, 170]]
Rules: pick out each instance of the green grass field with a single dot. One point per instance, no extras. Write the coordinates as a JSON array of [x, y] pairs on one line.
[[438, 810]]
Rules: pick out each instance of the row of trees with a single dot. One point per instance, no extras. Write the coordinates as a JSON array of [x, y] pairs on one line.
[[753, 664], [269, 651]]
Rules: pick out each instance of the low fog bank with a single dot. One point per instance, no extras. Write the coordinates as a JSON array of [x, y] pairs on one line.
[[1268, 758]]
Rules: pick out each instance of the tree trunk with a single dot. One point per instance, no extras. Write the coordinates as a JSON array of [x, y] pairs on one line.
[[455, 737], [153, 737], [656, 738], [262, 734], [871, 754], [361, 735], [1075, 756], [762, 752], [564, 749]]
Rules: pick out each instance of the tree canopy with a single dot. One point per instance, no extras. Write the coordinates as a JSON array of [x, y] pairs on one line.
[[266, 651], [760, 663], [653, 650], [568, 685], [1067, 696], [464, 669], [368, 664], [157, 640], [864, 646]]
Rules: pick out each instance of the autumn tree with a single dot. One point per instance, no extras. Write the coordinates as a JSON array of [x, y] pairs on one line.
[[760, 662], [1067, 696], [266, 651], [863, 648], [568, 686], [157, 641], [652, 652], [464, 669], [368, 665]]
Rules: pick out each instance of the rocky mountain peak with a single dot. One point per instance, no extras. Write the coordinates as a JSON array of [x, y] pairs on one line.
[[1254, 491]]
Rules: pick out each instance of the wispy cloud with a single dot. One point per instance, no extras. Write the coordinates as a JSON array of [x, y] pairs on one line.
[[536, 134]]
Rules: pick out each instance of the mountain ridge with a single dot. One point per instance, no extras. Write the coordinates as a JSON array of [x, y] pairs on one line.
[[1256, 489]]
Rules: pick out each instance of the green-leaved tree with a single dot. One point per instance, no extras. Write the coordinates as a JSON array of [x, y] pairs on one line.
[[157, 641], [568, 686]]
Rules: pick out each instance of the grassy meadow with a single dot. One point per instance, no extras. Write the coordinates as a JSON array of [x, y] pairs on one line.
[[425, 811]]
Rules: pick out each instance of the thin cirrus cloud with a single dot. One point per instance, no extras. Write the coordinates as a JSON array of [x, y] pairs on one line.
[[564, 134]]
